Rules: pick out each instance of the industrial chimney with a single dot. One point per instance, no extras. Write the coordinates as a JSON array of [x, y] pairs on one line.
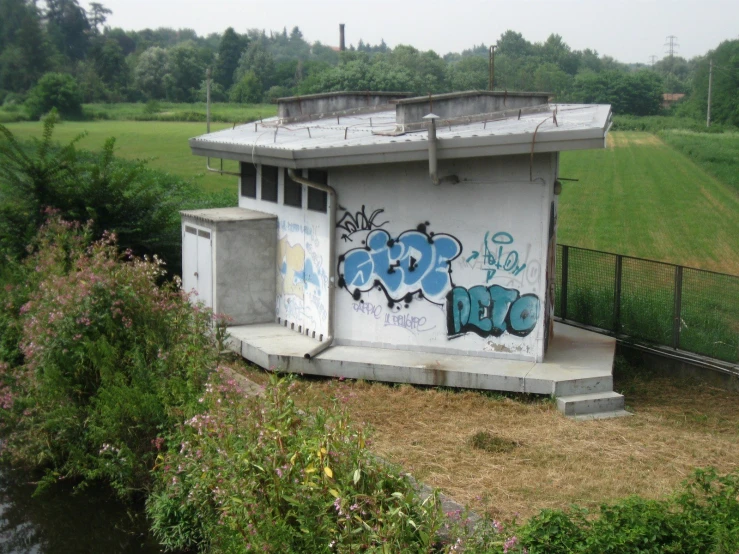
[[342, 44]]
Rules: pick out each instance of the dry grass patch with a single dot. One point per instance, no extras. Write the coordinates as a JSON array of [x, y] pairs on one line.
[[555, 461]]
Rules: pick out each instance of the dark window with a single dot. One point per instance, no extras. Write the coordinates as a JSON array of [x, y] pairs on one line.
[[249, 180], [317, 199], [269, 183], [293, 192]]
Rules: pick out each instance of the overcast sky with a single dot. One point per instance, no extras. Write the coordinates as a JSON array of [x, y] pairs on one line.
[[628, 30]]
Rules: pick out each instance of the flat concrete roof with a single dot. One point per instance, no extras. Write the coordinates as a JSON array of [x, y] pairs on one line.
[[368, 138], [218, 215]]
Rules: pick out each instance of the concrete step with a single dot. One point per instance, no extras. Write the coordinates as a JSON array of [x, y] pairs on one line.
[[593, 403], [602, 415]]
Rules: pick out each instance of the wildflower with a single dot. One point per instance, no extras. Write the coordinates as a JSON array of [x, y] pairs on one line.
[[510, 543]]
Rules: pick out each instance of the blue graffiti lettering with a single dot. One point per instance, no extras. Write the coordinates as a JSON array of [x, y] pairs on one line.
[[414, 262], [491, 311]]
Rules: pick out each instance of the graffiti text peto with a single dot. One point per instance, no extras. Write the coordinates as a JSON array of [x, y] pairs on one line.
[[414, 263], [491, 311]]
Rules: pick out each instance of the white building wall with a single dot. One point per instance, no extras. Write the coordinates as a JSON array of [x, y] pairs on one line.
[[478, 250], [302, 260], [493, 226]]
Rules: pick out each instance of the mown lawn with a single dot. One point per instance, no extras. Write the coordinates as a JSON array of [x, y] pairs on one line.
[[641, 197], [163, 143]]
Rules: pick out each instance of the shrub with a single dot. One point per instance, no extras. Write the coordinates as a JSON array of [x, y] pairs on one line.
[[257, 474], [55, 90], [247, 90], [112, 362], [139, 204]]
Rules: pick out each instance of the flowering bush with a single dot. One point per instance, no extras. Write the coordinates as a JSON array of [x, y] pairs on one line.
[[111, 360], [258, 475]]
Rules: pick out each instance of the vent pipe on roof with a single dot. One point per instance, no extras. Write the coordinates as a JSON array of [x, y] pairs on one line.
[[433, 159], [342, 44]]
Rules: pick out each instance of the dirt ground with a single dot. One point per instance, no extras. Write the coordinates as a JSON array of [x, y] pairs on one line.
[[676, 427]]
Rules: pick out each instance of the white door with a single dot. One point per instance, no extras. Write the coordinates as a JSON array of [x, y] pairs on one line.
[[189, 259], [197, 264], [205, 269]]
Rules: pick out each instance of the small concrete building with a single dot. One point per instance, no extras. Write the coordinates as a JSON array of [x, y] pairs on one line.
[[405, 239]]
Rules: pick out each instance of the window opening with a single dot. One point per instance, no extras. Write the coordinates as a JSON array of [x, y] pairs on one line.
[[293, 193], [317, 199], [248, 180], [269, 183]]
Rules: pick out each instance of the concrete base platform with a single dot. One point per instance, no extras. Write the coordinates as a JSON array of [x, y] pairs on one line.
[[578, 363]]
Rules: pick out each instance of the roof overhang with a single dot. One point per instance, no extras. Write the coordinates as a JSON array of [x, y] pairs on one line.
[[407, 148]]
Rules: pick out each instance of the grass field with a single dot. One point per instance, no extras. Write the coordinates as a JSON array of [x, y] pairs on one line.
[[642, 198], [164, 143], [158, 111], [638, 197]]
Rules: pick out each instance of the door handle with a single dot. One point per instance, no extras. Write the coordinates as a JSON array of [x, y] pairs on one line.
[[195, 274]]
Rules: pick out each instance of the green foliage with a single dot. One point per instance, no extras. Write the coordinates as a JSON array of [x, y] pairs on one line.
[[253, 474], [724, 98], [637, 93], [126, 197], [229, 52], [716, 153], [55, 90], [111, 362], [247, 90], [30, 181]]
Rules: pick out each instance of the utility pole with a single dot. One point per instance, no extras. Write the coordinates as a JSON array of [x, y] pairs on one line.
[[207, 100], [652, 59], [710, 85]]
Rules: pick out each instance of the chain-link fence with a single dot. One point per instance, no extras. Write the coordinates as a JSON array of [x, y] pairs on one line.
[[665, 304]]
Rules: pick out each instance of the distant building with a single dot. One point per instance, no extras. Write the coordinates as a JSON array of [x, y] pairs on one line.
[[670, 98], [404, 239]]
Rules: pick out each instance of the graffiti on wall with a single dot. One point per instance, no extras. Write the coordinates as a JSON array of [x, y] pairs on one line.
[[497, 254], [415, 264], [490, 311], [291, 264], [414, 324], [358, 221]]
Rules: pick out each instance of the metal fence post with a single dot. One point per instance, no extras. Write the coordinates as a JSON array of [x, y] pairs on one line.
[[565, 270], [677, 307], [617, 295]]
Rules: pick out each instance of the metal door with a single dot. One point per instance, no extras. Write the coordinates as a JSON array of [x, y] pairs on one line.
[[197, 264]]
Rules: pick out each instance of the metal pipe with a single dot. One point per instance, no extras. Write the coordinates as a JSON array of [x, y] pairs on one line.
[[342, 44], [207, 100], [433, 155], [293, 174]]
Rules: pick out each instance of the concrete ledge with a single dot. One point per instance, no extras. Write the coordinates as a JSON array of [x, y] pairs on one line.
[[579, 363]]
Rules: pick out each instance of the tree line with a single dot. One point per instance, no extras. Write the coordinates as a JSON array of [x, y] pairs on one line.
[[92, 62]]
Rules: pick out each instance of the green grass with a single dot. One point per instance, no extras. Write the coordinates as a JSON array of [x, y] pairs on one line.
[[164, 143], [643, 198], [169, 111], [158, 111], [718, 154]]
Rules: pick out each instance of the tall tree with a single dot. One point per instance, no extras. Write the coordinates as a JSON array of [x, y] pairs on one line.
[[68, 28], [24, 50], [97, 15], [229, 53]]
